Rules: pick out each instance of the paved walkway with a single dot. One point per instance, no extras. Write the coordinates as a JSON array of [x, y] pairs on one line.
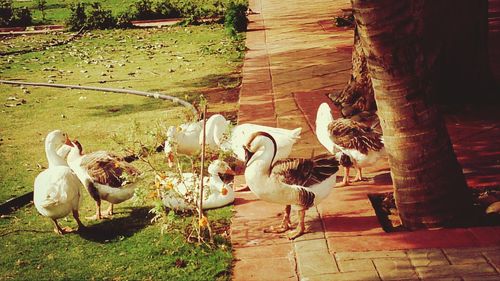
[[295, 57]]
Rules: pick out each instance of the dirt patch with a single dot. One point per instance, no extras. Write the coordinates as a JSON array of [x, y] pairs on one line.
[[388, 216], [223, 101]]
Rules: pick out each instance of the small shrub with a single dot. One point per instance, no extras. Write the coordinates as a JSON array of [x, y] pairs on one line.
[[6, 12], [124, 20], [22, 17], [77, 17], [235, 19], [166, 9], [99, 18], [144, 10]]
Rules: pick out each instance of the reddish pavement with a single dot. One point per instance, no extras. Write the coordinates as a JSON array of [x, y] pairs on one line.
[[295, 56]]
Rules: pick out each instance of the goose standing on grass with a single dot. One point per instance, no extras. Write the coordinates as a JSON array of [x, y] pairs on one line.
[[235, 138], [57, 189], [105, 175], [293, 181], [217, 193], [354, 143]]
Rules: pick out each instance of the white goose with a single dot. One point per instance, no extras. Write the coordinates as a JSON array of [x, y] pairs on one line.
[[183, 139], [57, 189], [293, 181], [218, 130], [217, 193], [354, 143], [187, 138], [105, 175]]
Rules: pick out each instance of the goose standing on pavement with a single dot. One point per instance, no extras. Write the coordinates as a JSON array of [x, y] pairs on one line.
[[355, 144], [293, 181], [57, 189]]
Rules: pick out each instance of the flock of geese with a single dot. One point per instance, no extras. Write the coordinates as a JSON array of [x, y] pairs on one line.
[[269, 173]]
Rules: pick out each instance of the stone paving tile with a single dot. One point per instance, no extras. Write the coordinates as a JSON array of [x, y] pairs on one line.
[[427, 257], [481, 278], [347, 276], [395, 269], [456, 270], [440, 238], [493, 258], [313, 258], [268, 251], [465, 257], [344, 256], [443, 279], [356, 265], [274, 269]]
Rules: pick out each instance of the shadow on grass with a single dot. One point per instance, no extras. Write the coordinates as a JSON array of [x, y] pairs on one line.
[[224, 81], [117, 110], [118, 228]]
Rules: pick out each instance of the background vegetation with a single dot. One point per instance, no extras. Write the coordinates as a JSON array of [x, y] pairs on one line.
[[115, 13]]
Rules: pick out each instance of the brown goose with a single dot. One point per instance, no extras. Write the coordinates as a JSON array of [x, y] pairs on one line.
[[354, 143], [105, 175], [293, 181]]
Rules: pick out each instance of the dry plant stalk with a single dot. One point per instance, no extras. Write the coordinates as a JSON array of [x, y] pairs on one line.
[[201, 218]]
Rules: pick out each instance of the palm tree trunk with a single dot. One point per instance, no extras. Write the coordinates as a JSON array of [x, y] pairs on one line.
[[357, 95], [403, 50]]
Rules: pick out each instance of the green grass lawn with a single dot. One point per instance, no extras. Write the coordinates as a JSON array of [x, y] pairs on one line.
[[179, 61]]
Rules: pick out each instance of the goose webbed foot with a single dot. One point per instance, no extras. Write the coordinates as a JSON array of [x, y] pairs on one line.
[[61, 231], [295, 233], [286, 224], [345, 179], [109, 211], [359, 176], [300, 227], [98, 215], [280, 229]]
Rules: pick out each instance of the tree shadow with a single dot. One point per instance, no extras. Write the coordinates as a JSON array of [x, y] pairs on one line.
[[117, 110], [354, 223], [118, 228]]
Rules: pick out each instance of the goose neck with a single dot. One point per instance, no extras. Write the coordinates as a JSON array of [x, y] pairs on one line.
[[52, 157]]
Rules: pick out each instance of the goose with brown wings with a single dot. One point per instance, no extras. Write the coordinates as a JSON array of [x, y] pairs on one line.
[[106, 176], [354, 144], [293, 181]]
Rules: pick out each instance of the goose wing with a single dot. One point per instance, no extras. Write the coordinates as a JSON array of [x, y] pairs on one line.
[[305, 172], [107, 168], [350, 134]]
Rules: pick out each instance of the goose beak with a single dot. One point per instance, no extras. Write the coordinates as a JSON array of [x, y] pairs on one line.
[[229, 171], [170, 160], [248, 154], [68, 141]]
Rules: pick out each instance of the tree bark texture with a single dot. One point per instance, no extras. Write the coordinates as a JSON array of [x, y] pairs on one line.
[[403, 45], [357, 96]]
